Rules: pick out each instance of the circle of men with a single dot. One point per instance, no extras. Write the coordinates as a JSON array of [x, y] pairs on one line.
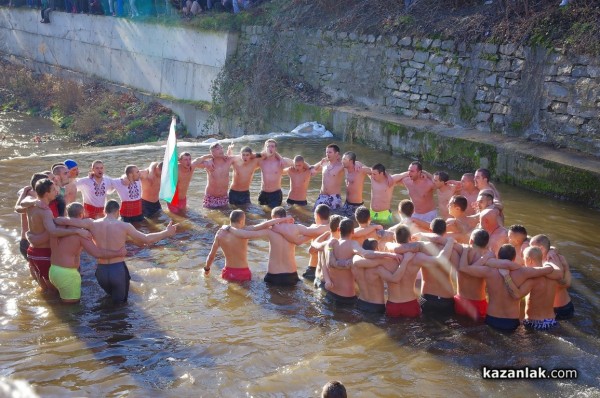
[[454, 241]]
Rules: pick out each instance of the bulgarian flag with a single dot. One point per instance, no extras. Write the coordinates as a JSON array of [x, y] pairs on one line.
[[168, 178]]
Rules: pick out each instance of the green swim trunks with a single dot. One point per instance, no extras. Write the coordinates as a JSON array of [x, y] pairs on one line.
[[67, 281], [381, 217]]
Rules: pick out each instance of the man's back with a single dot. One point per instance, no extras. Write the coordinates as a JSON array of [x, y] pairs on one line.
[[282, 253], [471, 287], [539, 304], [111, 234], [235, 249]]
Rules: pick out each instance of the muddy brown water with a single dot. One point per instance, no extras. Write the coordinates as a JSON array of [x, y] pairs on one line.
[[184, 335]]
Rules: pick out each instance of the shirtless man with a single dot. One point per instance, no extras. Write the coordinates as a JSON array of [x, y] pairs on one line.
[[244, 167], [64, 271], [563, 306], [420, 189], [110, 233], [470, 299], [469, 191], [458, 226], [299, 180], [503, 309], [217, 183], [446, 188], [129, 190], [281, 268], [365, 229], [381, 196], [150, 179], [339, 281], [61, 178], [41, 221], [185, 171], [71, 188], [371, 297], [406, 209], [402, 299], [236, 249], [333, 175], [271, 168], [94, 189], [482, 182], [498, 234], [517, 236], [322, 213], [355, 181]]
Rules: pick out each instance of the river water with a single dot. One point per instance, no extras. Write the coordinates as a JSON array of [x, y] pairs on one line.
[[186, 335]]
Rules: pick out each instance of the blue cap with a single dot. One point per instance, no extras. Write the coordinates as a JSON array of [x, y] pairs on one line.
[[70, 164]]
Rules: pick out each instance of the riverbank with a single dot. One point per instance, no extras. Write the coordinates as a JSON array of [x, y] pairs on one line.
[[87, 113]]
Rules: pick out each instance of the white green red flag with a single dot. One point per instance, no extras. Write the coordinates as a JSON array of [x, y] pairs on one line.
[[168, 178]]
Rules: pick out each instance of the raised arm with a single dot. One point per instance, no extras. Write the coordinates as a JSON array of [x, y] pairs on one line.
[[320, 242], [270, 223], [56, 232], [477, 269], [24, 194], [245, 234], [368, 230], [397, 275], [148, 239], [502, 264]]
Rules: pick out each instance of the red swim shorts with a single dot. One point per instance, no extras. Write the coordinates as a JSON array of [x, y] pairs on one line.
[[474, 309], [93, 212], [39, 262], [236, 274], [409, 309]]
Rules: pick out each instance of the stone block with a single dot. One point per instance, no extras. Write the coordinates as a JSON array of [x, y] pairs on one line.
[[406, 41], [436, 59], [393, 40], [416, 65], [579, 71], [342, 35], [426, 43], [410, 112], [489, 48], [406, 54], [484, 127], [443, 69], [414, 97], [508, 49], [487, 65], [482, 117], [577, 121], [370, 39], [555, 90], [410, 72], [491, 80], [436, 43], [404, 87], [517, 65], [480, 95], [462, 47], [498, 108], [593, 71], [559, 107], [503, 65], [453, 72], [448, 45], [353, 36], [421, 56], [565, 70], [484, 107], [498, 120], [446, 101]]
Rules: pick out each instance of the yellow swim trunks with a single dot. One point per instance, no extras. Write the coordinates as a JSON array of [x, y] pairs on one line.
[[67, 281], [381, 217]]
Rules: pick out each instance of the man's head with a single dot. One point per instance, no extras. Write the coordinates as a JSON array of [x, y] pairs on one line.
[[332, 152], [334, 222], [132, 173], [278, 212], [541, 241], [440, 178], [299, 163], [98, 169], [415, 170], [468, 181], [334, 389], [517, 234], [75, 210], [270, 146], [185, 159], [378, 172], [61, 174], [45, 189], [370, 244], [322, 212], [406, 208], [533, 256], [349, 159], [402, 234], [488, 220], [438, 226], [485, 199], [457, 206], [482, 178], [237, 218], [246, 153], [112, 207], [216, 150], [35, 178], [346, 228], [362, 215], [72, 167], [479, 238], [507, 252]]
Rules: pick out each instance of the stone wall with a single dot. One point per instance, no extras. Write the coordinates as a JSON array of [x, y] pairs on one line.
[[159, 60], [534, 93]]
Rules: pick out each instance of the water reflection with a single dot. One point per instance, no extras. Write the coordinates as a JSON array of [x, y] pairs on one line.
[[183, 334]]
